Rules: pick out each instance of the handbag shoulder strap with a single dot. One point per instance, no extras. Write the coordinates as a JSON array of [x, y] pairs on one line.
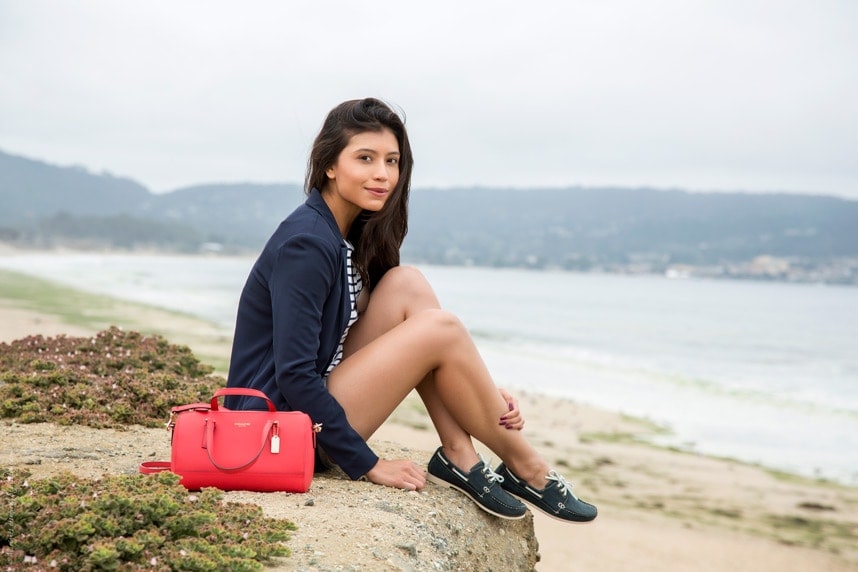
[[191, 407]]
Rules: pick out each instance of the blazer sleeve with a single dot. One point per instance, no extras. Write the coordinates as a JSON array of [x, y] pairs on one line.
[[303, 273]]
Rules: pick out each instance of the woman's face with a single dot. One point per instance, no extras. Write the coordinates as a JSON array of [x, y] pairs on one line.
[[366, 172]]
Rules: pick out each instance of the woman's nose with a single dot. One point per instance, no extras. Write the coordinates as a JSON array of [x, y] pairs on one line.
[[380, 172]]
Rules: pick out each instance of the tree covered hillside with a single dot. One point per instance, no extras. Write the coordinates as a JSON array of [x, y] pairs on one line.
[[574, 228]]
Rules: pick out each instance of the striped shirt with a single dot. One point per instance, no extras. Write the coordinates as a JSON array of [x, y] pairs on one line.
[[355, 286]]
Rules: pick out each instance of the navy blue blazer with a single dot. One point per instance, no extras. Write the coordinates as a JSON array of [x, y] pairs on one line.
[[291, 315]]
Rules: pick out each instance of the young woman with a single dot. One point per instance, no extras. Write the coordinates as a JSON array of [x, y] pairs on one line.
[[330, 324]]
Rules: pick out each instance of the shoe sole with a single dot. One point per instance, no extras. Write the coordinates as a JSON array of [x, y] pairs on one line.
[[550, 514], [443, 483]]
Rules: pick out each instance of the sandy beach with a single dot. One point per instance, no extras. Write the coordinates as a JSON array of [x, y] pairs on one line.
[[659, 509]]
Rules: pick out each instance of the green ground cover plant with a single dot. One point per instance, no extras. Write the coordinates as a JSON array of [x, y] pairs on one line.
[[113, 379], [119, 522], [129, 523]]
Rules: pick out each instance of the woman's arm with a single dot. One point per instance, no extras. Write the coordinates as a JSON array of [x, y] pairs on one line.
[[304, 272]]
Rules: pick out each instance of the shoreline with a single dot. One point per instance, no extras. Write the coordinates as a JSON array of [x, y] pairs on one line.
[[660, 509], [52, 308], [763, 269], [730, 407], [59, 308]]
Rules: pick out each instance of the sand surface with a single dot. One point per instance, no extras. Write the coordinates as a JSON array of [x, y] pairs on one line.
[[659, 509]]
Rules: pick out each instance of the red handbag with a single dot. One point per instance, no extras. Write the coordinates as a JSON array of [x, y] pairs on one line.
[[263, 451]]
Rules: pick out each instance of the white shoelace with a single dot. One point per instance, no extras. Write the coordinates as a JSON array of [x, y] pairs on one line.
[[491, 476], [562, 483]]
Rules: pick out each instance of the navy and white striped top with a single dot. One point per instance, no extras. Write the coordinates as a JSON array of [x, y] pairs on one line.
[[355, 286]]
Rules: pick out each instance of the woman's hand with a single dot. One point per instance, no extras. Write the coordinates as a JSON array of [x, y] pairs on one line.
[[400, 474], [513, 418]]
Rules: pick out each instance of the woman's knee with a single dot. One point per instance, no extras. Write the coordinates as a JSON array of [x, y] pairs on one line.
[[410, 284], [404, 276], [441, 325]]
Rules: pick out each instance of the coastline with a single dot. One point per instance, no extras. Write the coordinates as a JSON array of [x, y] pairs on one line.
[[31, 305], [762, 370], [660, 509]]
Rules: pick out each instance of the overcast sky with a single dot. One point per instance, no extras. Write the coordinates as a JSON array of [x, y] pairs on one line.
[[756, 95]]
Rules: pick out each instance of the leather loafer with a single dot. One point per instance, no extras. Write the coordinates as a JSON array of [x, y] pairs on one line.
[[480, 483]]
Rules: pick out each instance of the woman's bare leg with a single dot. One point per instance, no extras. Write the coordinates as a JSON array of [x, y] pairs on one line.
[[403, 342], [404, 292]]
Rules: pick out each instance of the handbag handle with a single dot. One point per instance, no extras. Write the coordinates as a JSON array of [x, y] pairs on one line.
[[241, 391], [208, 445]]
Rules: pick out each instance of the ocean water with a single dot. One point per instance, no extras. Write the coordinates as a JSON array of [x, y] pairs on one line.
[[759, 371]]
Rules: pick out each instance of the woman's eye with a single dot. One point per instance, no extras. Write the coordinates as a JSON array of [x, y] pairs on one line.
[[393, 161], [365, 158]]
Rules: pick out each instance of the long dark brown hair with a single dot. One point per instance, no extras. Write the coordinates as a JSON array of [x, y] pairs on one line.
[[376, 236]]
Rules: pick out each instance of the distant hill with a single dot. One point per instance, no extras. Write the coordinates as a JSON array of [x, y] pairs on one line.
[[45, 205], [575, 228], [582, 227], [31, 190], [239, 215]]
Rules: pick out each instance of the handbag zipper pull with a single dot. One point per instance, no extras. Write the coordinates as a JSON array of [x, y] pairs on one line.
[[275, 439]]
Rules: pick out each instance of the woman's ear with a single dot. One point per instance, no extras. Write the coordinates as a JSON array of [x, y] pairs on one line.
[[331, 173]]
